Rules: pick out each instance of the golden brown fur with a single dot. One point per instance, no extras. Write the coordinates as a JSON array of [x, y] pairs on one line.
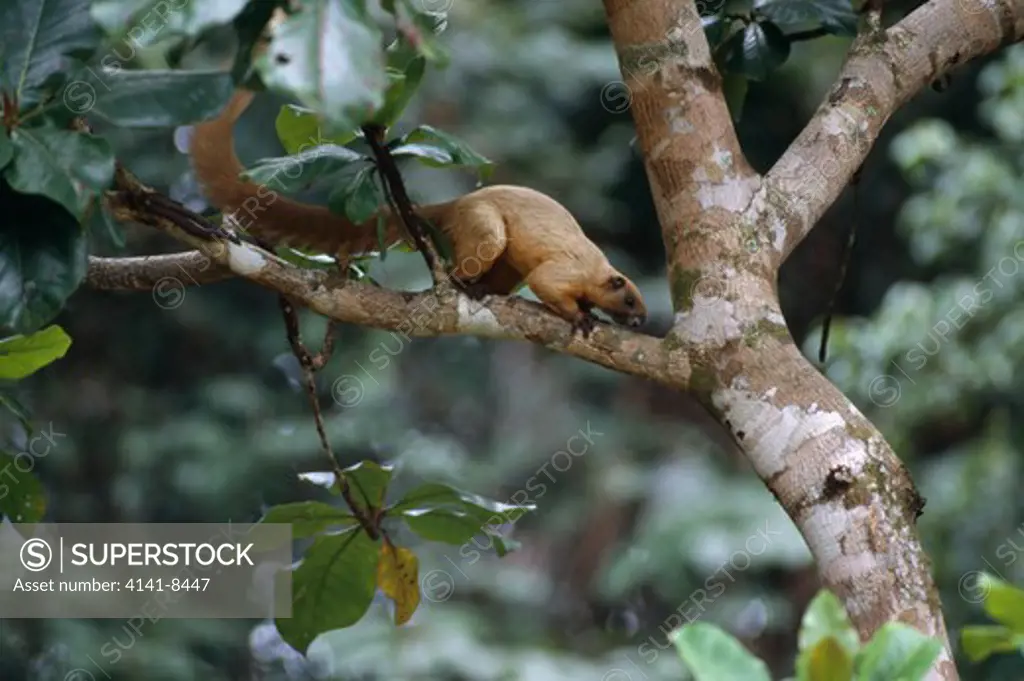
[[501, 235]]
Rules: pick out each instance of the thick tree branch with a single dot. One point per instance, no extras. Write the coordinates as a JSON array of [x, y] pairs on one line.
[[408, 314], [878, 77], [142, 273]]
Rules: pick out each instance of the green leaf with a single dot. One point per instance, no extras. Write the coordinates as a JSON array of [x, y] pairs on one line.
[[99, 222], [451, 527], [459, 153], [825, 617], [291, 174], [299, 128], [435, 495], [144, 21], [64, 165], [757, 50], [421, 29], [35, 36], [1004, 602], [713, 655], [39, 269], [22, 356], [734, 87], [897, 652], [981, 641], [403, 85], [22, 499], [360, 198], [715, 29], [368, 481], [332, 588], [308, 518], [837, 16], [6, 149], [435, 156], [827, 660], [18, 410], [328, 56], [147, 99]]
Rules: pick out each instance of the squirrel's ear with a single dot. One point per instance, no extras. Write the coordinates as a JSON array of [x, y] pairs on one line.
[[617, 282]]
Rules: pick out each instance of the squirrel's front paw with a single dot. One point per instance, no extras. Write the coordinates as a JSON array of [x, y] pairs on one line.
[[585, 324]]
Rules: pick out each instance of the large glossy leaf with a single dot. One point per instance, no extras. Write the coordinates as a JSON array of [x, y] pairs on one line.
[[22, 499], [757, 50], [39, 268], [835, 15], [300, 129], [450, 527], [309, 517], [896, 651], [332, 588], [360, 198], [420, 29], [434, 495], [368, 481], [329, 57], [713, 655], [35, 36], [66, 166], [291, 174], [147, 99], [22, 356], [145, 21], [440, 149]]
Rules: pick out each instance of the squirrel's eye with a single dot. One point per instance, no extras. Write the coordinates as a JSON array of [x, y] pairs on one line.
[[618, 282]]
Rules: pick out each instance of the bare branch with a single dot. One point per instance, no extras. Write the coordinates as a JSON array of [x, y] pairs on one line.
[[143, 273], [879, 76]]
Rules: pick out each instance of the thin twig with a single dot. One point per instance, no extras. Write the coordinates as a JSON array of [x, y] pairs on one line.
[[394, 188], [310, 365]]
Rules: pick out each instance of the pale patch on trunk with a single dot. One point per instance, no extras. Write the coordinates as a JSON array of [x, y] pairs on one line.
[[774, 433], [711, 321]]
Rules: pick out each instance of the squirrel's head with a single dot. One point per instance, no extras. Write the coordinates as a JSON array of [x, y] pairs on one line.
[[620, 299]]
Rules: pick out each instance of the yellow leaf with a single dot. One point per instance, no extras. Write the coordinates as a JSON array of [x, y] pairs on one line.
[[829, 661], [397, 573]]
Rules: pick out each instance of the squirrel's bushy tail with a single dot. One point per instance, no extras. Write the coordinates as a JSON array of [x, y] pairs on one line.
[[264, 212]]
